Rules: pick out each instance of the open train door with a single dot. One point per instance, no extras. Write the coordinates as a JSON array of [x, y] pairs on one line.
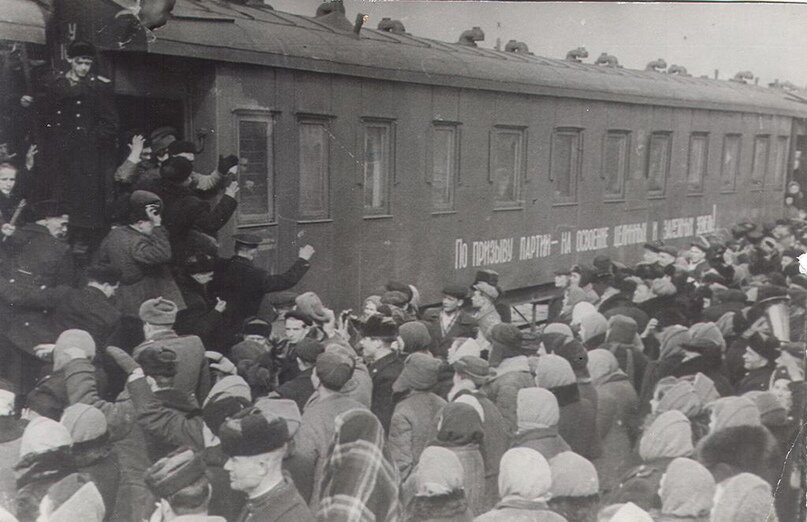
[[798, 157]]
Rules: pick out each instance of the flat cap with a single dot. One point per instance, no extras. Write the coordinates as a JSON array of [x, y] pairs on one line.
[[247, 240], [334, 369], [475, 368], [175, 472], [308, 350], [380, 326], [157, 361], [456, 290]]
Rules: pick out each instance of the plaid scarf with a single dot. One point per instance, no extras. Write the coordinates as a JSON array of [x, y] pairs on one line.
[[360, 483]]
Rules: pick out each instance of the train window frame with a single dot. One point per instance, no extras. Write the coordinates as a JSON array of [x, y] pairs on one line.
[[780, 169], [268, 117], [323, 121], [668, 137], [388, 124], [704, 163], [454, 168], [575, 168], [756, 179], [623, 172], [519, 161], [726, 139]]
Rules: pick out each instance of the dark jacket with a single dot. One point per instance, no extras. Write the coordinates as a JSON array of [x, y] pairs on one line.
[[577, 423], [224, 501], [95, 459], [640, 485], [384, 372], [711, 365], [758, 379], [280, 504], [193, 373], [36, 473], [463, 325], [38, 258], [199, 316], [546, 441], [299, 389], [451, 507]]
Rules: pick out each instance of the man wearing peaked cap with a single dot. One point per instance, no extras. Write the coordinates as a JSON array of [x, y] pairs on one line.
[[451, 321], [379, 345], [255, 442], [483, 302], [193, 375], [180, 482], [243, 284]]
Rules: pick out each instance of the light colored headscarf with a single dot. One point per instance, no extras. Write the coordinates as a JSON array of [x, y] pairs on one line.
[[524, 474], [681, 397], [602, 364], [469, 347], [473, 402], [729, 412], [671, 340], [708, 331], [669, 436], [581, 310], [592, 325], [439, 472], [536, 408], [687, 489], [552, 371]]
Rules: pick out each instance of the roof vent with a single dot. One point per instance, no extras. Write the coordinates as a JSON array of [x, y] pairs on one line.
[[471, 36], [743, 77], [607, 60], [389, 25], [656, 65], [577, 55], [678, 70], [785, 85], [516, 47], [332, 14]]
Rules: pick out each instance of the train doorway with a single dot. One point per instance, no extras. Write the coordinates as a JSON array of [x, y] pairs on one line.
[[141, 115]]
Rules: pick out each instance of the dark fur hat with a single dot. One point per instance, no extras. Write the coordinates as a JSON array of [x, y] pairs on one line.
[[739, 449]]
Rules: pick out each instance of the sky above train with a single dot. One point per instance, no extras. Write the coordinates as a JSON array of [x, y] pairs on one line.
[[767, 39]]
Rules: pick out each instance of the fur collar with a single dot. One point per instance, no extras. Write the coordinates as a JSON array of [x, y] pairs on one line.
[[441, 506]]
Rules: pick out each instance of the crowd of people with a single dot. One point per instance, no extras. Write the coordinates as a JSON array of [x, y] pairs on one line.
[[147, 378]]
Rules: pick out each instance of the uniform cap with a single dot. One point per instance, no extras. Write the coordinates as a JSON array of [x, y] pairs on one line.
[[158, 311], [175, 472], [247, 240], [257, 326]]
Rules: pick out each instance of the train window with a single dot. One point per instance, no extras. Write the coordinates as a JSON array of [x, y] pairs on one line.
[[444, 165], [564, 163], [507, 165], [314, 178], [731, 162], [378, 165], [759, 167], [698, 161], [616, 163], [780, 164], [658, 163], [256, 172]]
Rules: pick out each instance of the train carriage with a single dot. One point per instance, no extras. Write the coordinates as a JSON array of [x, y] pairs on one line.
[[400, 157]]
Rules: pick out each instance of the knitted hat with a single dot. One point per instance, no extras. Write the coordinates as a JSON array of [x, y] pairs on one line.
[[415, 337], [174, 473], [729, 412], [681, 397], [767, 347], [574, 352], [668, 436], [334, 369], [380, 327], [42, 435], [229, 386], [257, 326], [553, 371], [573, 476], [771, 411], [420, 372], [536, 408], [84, 422], [307, 350], [487, 289], [158, 311], [439, 472], [745, 498], [138, 201], [474, 368], [253, 432], [310, 304], [76, 339], [286, 409], [506, 341], [176, 170], [157, 361], [687, 489], [621, 329]]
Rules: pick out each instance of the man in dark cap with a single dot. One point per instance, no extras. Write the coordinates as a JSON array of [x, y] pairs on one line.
[[509, 357], [243, 285], [80, 126], [451, 321], [256, 443], [192, 223], [491, 277], [142, 253], [203, 313], [180, 482], [379, 345], [301, 388]]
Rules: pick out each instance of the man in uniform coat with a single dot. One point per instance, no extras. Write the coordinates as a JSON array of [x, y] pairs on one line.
[[379, 347], [242, 285], [451, 321], [80, 127]]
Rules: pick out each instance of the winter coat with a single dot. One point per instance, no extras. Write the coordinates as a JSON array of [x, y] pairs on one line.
[[36, 473], [312, 441], [199, 317], [511, 375], [282, 503], [516, 510], [473, 467], [751, 449], [145, 264], [451, 507], [38, 258], [299, 389], [617, 420], [224, 501], [384, 372], [412, 427], [631, 361], [193, 374], [758, 379], [462, 325], [545, 441], [577, 423]]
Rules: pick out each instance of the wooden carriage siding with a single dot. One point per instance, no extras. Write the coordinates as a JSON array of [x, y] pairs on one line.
[[261, 82]]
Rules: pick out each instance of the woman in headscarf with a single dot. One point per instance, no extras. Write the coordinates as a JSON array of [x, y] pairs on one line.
[[593, 327], [575, 487], [670, 356], [538, 416], [360, 482], [669, 437], [679, 394], [577, 424], [686, 492], [622, 339], [744, 498], [617, 415], [439, 495], [525, 479]]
